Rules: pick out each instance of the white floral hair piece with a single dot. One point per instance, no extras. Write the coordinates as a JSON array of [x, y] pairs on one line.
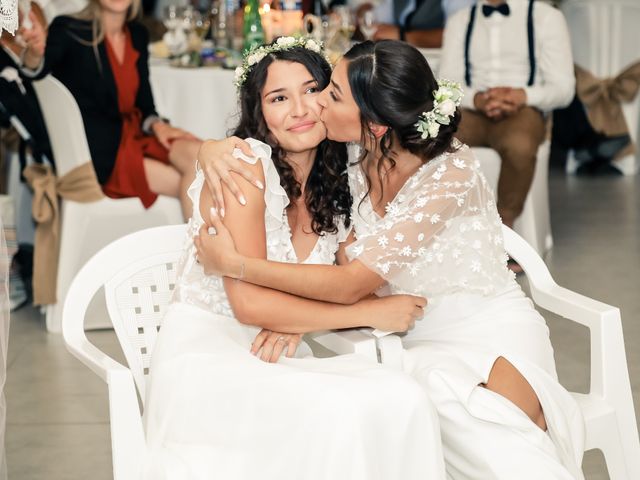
[[255, 55], [446, 99]]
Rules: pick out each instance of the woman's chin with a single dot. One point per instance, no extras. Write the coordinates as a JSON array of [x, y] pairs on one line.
[[303, 142]]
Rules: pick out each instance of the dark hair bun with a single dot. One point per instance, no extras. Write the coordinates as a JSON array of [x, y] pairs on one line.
[[393, 85]]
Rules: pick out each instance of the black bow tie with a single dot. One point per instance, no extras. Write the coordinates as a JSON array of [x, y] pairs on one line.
[[503, 8]]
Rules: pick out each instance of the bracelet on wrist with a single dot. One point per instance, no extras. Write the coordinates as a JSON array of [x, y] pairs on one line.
[[241, 276]]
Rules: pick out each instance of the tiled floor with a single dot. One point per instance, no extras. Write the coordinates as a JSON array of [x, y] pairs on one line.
[[57, 424]]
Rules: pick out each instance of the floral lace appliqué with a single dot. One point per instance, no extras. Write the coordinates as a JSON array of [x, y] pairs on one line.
[[440, 235]]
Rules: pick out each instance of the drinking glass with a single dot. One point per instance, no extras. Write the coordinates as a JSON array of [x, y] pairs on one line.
[[201, 23], [367, 23], [346, 20], [172, 17]]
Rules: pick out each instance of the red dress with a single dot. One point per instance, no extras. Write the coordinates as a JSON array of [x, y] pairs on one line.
[[128, 178]]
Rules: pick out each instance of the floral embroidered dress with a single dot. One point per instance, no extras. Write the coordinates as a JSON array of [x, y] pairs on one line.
[[441, 238], [214, 411]]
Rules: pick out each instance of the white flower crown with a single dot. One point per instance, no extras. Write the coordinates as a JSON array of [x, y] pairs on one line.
[[446, 99], [255, 55]]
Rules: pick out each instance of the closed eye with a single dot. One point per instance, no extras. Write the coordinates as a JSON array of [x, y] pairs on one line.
[[333, 96]]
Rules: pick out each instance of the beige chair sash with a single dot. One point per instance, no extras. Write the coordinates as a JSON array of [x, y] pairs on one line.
[[79, 185], [602, 98]]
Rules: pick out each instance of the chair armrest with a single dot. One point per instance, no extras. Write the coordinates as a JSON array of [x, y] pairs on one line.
[[606, 336], [343, 342], [574, 306], [391, 351], [96, 360]]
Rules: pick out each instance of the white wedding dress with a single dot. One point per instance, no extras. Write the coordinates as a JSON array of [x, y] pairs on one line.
[[441, 238], [214, 411]]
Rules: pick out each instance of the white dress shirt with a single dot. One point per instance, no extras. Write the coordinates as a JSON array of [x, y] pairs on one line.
[[499, 54]]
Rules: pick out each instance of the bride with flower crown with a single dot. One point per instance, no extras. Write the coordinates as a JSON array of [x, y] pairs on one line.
[[426, 224], [216, 407]]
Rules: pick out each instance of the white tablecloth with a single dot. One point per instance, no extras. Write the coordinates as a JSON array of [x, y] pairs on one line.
[[200, 100], [203, 101]]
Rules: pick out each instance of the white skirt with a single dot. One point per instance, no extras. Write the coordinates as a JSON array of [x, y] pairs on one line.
[[485, 436], [214, 411]]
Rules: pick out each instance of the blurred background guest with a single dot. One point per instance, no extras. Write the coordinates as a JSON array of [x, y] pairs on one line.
[[515, 59], [418, 22], [135, 153], [55, 8], [449, 7], [24, 139]]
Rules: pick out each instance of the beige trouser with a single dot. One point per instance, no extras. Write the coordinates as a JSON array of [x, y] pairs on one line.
[[516, 139]]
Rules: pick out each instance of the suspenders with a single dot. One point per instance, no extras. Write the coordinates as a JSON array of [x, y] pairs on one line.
[[530, 38], [467, 43], [532, 53]]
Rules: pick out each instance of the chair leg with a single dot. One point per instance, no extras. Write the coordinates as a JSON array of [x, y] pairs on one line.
[[54, 318], [629, 443], [614, 457]]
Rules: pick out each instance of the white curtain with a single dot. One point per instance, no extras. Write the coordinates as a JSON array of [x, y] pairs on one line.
[[8, 16], [4, 341]]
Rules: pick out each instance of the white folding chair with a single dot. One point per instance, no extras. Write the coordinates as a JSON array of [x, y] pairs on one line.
[[87, 227], [534, 223], [604, 40], [608, 408], [138, 274]]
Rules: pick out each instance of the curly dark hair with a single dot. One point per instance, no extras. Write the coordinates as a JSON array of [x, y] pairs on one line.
[[392, 84], [327, 193]]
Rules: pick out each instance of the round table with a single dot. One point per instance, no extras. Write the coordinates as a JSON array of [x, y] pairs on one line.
[[202, 101]]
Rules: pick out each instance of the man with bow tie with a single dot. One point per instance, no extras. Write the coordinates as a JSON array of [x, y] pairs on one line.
[[514, 59]]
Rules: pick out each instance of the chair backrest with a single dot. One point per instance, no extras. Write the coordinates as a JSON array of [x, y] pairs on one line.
[[603, 33], [138, 274], [64, 124]]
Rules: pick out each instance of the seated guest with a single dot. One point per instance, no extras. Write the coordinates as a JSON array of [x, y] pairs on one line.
[[515, 59], [19, 106], [418, 22], [101, 56], [17, 97], [449, 7]]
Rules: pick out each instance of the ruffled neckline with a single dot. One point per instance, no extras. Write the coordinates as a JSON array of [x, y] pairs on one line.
[[276, 199]]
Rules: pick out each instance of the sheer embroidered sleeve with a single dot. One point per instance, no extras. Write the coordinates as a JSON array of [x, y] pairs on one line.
[[441, 232]]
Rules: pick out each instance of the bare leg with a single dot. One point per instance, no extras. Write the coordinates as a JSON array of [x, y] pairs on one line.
[[163, 179], [507, 381], [183, 155]]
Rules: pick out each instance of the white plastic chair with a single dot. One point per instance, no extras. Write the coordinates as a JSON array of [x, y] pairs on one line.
[[87, 227], [534, 223], [138, 274], [608, 408], [604, 39]]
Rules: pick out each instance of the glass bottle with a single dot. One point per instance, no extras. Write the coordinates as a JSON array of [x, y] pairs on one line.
[[253, 32]]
